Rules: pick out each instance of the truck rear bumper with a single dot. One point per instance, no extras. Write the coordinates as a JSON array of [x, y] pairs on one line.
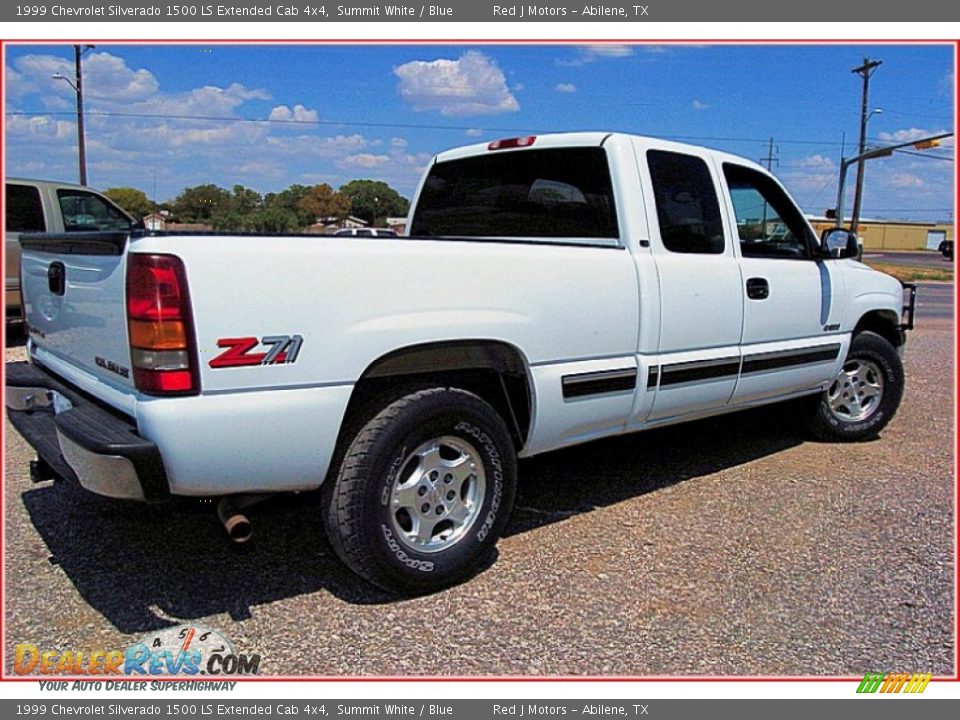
[[80, 440]]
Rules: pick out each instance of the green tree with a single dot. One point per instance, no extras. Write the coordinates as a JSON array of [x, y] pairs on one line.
[[289, 200], [245, 200], [374, 200], [324, 202], [231, 220], [276, 219], [130, 199], [201, 202]]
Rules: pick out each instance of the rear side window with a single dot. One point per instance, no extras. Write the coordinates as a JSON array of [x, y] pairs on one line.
[[24, 209], [687, 207], [553, 193], [84, 211]]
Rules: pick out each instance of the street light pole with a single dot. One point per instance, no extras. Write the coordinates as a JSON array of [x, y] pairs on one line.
[[879, 152], [865, 71], [81, 136]]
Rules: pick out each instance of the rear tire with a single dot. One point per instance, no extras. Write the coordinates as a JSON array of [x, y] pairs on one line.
[[424, 492], [865, 395]]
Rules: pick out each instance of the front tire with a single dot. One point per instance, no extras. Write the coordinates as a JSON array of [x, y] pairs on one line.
[[424, 491], [865, 394]]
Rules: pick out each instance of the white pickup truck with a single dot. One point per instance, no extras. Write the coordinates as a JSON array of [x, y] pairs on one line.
[[554, 290]]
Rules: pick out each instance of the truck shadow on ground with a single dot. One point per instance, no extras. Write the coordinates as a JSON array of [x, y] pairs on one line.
[[148, 567]]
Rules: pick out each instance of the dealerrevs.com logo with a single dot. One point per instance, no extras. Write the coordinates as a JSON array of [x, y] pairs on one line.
[[894, 683], [184, 650]]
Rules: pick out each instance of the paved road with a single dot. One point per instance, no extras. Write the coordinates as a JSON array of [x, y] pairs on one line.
[[730, 546], [935, 301], [928, 259]]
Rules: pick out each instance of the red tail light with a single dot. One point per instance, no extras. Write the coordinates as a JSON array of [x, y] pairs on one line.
[[160, 326], [508, 143]]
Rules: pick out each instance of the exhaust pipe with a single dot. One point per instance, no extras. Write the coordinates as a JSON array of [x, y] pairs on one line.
[[235, 522]]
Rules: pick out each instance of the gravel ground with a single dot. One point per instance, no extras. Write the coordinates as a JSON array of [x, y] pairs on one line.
[[728, 546]]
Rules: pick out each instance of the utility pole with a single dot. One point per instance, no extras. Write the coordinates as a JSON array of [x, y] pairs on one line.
[[767, 162], [865, 71]]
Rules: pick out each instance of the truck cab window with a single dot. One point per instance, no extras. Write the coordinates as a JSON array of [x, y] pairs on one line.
[[687, 207], [83, 211], [768, 223]]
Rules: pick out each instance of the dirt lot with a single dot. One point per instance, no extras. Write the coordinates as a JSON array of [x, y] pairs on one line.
[[729, 546]]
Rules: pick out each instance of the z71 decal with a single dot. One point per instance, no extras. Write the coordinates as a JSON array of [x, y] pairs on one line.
[[283, 350]]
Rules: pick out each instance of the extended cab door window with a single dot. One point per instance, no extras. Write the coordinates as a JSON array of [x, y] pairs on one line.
[[687, 207], [86, 211], [768, 223]]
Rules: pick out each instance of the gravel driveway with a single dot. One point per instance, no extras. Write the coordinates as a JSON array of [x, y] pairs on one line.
[[728, 546]]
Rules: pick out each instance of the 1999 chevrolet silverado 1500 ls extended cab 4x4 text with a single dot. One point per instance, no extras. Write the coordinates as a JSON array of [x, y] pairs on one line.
[[554, 290]]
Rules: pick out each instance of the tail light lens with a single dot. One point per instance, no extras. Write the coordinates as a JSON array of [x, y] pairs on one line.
[[508, 143], [160, 326]]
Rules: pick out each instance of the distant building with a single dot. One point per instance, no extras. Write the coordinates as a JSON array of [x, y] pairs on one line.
[[329, 225], [155, 221], [398, 225], [164, 222], [894, 234]]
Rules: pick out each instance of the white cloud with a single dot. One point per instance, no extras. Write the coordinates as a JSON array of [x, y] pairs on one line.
[[398, 142], [472, 85], [364, 160], [614, 50], [700, 105], [40, 128], [565, 88], [105, 77], [474, 132], [908, 134], [906, 180], [597, 51], [518, 87], [817, 161], [298, 114]]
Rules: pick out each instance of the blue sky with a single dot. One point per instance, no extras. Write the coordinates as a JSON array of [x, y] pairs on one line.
[[283, 114]]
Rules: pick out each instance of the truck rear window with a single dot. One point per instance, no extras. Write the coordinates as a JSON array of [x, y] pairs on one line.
[[551, 193]]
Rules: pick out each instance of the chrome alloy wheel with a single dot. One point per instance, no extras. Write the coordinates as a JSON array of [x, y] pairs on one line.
[[857, 391], [437, 495]]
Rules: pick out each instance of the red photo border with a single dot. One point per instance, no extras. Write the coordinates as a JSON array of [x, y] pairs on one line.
[[955, 43]]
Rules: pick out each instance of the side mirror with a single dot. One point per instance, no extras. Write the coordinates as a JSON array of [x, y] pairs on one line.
[[839, 243]]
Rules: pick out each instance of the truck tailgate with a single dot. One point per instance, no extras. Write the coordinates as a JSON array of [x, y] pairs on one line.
[[75, 300]]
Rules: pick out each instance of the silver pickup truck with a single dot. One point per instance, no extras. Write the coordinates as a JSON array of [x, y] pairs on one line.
[[54, 207]]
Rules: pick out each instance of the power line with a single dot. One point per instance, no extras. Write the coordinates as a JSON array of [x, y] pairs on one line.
[[929, 156], [404, 126], [918, 115]]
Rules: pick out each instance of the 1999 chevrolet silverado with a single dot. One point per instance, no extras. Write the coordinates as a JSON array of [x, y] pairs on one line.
[[553, 290]]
